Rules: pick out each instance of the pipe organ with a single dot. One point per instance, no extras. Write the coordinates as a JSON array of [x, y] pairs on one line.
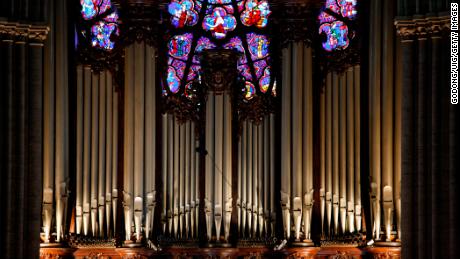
[[218, 201], [96, 153], [140, 120], [180, 178], [340, 186], [256, 180], [297, 141]]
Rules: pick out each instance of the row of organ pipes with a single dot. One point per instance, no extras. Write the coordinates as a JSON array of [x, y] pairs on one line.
[[256, 179], [340, 183], [97, 154]]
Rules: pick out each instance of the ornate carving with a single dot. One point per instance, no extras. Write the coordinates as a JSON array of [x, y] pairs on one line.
[[295, 21], [219, 69], [23, 32], [341, 255], [419, 27]]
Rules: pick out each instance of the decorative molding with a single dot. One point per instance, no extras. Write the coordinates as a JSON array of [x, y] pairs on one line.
[[23, 32], [421, 27]]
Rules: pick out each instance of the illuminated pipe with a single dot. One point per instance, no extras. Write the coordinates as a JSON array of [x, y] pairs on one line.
[[227, 164], [329, 189], [272, 175], [307, 142], [128, 171], [187, 179], [209, 164], [115, 122], [322, 188], [335, 151], [61, 184], [182, 133], [192, 179], [343, 151], [139, 128], [357, 153], [79, 162], [397, 145], [102, 137], [374, 118], [176, 192], [244, 152], [286, 141], [86, 150], [218, 165], [197, 184], [266, 173], [239, 186], [297, 137], [255, 178], [260, 187], [171, 124], [150, 140], [350, 152], [94, 152], [109, 145], [249, 175], [49, 128], [165, 171]]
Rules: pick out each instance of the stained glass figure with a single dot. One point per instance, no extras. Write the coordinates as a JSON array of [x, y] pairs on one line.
[[333, 23], [104, 18], [255, 13], [224, 24], [183, 13]]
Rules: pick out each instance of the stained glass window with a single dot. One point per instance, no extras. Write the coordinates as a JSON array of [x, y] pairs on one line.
[[198, 25], [101, 19], [334, 19]]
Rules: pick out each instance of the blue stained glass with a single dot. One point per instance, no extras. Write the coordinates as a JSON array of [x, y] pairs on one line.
[[250, 90], [219, 1], [256, 13], [92, 8], [183, 13], [101, 33], [336, 33], [258, 45], [219, 22], [259, 67], [173, 80], [264, 81], [236, 44], [179, 46]]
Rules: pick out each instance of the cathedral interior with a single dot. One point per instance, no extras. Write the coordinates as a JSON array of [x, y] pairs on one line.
[[227, 129]]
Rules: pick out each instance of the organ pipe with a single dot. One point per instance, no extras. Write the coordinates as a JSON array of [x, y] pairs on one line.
[[79, 154], [342, 151], [128, 172], [187, 179], [109, 154], [165, 171], [101, 146], [94, 152], [322, 188], [329, 145], [357, 138], [227, 156], [181, 225], [115, 161], [209, 199], [350, 150], [335, 152], [286, 141], [86, 150]]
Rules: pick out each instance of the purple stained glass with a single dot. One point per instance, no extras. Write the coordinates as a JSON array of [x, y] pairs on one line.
[[183, 13], [236, 44], [219, 22], [241, 6], [348, 8], [245, 72], [259, 67], [219, 1], [173, 80], [256, 13], [113, 17], [179, 46], [337, 35], [92, 8], [101, 33], [193, 72], [202, 44], [250, 90], [179, 66], [264, 81], [258, 45]]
